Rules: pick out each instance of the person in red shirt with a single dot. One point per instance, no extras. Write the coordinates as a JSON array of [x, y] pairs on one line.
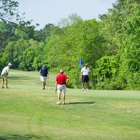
[[60, 86]]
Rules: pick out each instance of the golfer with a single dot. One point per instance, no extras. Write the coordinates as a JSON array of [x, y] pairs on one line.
[[43, 76], [4, 75], [60, 86], [85, 71]]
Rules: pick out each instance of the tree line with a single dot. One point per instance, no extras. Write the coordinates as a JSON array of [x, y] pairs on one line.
[[110, 46]]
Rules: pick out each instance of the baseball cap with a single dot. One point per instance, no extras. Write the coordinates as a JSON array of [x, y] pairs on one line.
[[9, 64], [61, 71]]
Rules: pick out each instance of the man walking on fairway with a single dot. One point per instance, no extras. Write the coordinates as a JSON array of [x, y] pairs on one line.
[[85, 71], [60, 86], [4, 75], [43, 76]]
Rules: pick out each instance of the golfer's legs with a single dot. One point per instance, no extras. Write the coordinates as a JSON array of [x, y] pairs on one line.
[[83, 81], [82, 85], [61, 89], [87, 82], [63, 97], [44, 84], [43, 79], [64, 92], [87, 85], [59, 93], [6, 82], [3, 81], [59, 96]]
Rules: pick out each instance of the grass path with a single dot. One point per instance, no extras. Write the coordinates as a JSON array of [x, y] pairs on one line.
[[29, 113]]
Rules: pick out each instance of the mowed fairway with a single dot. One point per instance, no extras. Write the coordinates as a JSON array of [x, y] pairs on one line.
[[29, 113]]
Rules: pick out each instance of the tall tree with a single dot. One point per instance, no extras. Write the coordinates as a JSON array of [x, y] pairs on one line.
[[9, 13], [43, 34], [120, 27], [68, 44], [6, 35]]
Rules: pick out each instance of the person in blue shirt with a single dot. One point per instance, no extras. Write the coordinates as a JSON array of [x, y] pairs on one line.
[[43, 76]]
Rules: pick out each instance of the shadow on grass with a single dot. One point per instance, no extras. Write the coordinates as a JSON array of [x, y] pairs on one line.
[[81, 102], [25, 137]]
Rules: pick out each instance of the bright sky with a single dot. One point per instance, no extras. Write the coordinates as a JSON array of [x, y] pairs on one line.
[[52, 11]]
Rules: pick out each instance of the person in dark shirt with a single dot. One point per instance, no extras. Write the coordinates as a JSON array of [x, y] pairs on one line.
[[43, 76], [60, 86]]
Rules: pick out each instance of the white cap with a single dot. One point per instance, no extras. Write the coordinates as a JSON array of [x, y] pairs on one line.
[[61, 71], [9, 64]]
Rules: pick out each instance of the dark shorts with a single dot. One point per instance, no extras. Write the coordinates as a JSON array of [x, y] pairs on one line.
[[85, 78]]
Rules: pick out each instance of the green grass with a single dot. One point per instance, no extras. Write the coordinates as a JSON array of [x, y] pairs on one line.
[[29, 113]]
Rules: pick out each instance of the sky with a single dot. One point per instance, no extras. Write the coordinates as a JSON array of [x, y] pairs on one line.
[[44, 12]]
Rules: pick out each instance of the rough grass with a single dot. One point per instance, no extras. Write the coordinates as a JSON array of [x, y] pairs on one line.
[[29, 113]]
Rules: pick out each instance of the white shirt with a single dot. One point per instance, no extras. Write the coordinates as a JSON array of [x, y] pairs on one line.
[[85, 71], [5, 70]]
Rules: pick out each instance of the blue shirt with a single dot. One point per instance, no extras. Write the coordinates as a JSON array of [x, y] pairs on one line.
[[43, 72]]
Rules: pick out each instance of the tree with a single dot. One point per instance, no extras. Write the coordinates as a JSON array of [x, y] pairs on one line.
[[68, 44], [120, 27], [9, 10], [6, 35], [71, 19], [24, 54], [43, 34], [10, 16], [131, 53], [9, 13]]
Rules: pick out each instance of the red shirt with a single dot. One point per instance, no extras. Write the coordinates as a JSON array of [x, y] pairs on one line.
[[61, 79]]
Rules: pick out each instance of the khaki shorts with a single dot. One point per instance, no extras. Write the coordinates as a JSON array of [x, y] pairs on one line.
[[61, 88], [4, 76], [43, 78]]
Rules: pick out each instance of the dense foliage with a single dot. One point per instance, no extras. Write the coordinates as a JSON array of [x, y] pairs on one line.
[[110, 46]]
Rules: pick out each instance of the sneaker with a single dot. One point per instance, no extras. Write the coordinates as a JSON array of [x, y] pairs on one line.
[[58, 103], [7, 87], [2, 87], [87, 89], [64, 103], [82, 88]]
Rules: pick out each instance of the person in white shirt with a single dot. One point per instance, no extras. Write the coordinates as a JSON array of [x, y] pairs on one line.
[[85, 71], [4, 75]]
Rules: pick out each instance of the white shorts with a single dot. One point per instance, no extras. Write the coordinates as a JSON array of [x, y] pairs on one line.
[[61, 88], [43, 78]]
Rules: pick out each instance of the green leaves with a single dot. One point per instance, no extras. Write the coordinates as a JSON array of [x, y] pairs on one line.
[[110, 47], [120, 28]]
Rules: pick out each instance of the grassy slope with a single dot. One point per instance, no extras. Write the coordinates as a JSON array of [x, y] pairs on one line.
[[29, 113]]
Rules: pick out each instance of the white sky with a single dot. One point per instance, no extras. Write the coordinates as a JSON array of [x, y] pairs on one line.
[[52, 11]]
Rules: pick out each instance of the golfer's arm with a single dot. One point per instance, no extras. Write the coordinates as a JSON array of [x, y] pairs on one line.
[[89, 72], [67, 81], [55, 85], [81, 74]]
